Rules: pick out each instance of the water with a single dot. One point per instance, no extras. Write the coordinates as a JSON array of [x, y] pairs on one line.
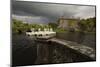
[[88, 39], [25, 51]]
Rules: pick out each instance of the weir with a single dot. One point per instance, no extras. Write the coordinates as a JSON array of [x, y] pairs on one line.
[[54, 50], [88, 51], [60, 51]]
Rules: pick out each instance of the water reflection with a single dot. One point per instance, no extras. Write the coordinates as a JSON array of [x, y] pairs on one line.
[[25, 51], [42, 53], [88, 39]]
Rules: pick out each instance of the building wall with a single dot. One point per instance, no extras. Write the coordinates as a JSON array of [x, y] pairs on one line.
[[68, 24]]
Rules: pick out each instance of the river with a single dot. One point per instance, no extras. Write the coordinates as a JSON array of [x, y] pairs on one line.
[[25, 51], [88, 39]]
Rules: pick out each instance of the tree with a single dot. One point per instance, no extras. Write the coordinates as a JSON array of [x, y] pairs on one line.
[[88, 25], [53, 25]]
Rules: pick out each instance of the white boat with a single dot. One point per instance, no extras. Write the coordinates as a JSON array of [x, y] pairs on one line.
[[43, 35]]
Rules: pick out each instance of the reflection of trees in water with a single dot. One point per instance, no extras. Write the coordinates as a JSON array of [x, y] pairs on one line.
[[77, 37], [23, 50], [42, 53], [72, 36]]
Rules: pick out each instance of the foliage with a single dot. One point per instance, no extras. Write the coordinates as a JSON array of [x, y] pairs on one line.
[[84, 25], [53, 25], [87, 25], [20, 27], [60, 30]]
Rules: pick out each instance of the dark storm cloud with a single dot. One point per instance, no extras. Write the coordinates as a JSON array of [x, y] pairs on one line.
[[50, 12]]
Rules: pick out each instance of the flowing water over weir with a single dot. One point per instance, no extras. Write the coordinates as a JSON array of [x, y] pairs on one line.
[[26, 51], [57, 52]]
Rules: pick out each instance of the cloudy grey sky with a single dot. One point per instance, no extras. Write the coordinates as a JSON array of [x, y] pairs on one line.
[[45, 12]]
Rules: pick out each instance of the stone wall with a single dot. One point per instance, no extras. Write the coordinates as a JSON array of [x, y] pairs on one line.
[[68, 24]]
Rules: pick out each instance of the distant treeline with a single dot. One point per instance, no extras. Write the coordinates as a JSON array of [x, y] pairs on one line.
[[84, 25], [81, 25], [20, 27], [87, 25]]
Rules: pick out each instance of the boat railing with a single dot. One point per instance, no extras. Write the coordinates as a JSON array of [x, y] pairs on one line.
[[39, 33]]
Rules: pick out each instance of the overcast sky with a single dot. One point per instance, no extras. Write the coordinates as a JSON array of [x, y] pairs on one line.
[[45, 12]]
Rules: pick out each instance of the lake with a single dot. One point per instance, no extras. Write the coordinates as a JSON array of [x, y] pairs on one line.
[[25, 51]]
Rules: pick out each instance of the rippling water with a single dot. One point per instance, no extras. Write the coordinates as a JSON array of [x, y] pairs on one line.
[[25, 51]]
